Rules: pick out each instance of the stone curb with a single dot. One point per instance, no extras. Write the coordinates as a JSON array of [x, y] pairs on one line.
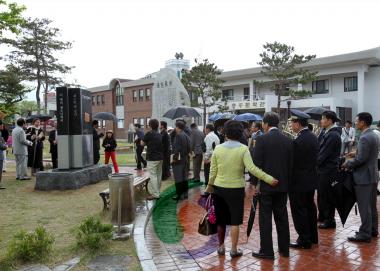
[[143, 253]]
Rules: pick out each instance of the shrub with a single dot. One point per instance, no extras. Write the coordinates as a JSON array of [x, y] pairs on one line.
[[93, 235], [31, 246]]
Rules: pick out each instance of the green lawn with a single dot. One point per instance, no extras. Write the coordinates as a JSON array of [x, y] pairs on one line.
[[59, 212]]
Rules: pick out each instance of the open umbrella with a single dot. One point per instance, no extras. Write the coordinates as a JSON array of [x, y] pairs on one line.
[[214, 116], [181, 111], [248, 117], [43, 118], [252, 213], [224, 118], [105, 116], [316, 112], [344, 194]]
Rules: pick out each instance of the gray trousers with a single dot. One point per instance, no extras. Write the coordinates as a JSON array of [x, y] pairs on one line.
[[197, 165], [21, 165], [367, 199]]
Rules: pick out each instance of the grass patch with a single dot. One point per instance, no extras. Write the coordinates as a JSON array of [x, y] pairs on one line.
[[59, 212], [165, 221]]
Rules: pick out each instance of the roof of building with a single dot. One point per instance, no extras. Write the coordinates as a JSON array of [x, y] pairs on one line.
[[138, 82], [98, 89], [370, 57]]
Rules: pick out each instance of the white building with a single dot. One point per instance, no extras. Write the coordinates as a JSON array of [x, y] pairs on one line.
[[347, 84]]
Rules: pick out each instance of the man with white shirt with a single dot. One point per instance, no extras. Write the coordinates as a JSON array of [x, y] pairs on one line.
[[348, 137], [211, 141]]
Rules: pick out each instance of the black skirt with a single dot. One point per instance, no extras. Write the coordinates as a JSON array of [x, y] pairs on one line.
[[229, 205]]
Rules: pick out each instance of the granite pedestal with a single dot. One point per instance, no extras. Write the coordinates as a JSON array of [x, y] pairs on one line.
[[71, 179]]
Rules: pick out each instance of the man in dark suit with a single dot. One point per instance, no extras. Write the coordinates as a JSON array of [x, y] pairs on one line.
[[366, 176], [96, 141], [327, 167], [167, 150], [53, 145], [304, 182], [274, 155]]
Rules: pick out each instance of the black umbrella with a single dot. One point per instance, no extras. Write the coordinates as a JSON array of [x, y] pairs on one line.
[[223, 119], [252, 213], [181, 111], [44, 118], [316, 112], [105, 116], [344, 194]]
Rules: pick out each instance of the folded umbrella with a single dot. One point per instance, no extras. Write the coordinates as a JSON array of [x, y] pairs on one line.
[[105, 116], [344, 194], [181, 111], [252, 213]]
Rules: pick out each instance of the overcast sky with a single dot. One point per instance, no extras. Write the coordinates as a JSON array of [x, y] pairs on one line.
[[131, 38]]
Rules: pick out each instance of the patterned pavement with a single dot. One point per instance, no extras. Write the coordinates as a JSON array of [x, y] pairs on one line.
[[197, 252]]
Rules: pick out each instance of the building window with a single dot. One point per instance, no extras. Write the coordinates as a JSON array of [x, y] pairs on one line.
[[147, 94], [142, 121], [147, 121], [103, 99], [135, 120], [228, 94], [93, 100], [119, 95], [97, 99], [246, 94], [320, 86], [141, 95], [135, 95], [350, 83], [120, 124]]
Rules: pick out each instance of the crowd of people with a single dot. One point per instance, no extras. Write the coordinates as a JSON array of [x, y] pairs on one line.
[[280, 167]]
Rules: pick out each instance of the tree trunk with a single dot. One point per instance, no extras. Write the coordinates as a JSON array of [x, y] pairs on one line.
[[38, 96], [46, 98], [204, 112]]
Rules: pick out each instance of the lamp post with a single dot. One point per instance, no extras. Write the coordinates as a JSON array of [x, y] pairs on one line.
[[288, 103]]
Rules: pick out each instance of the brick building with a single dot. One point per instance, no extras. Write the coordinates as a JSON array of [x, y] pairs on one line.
[[129, 100]]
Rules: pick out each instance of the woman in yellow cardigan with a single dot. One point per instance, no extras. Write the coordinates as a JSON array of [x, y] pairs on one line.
[[227, 184]]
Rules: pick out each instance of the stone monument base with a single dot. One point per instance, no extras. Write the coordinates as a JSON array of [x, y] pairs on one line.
[[71, 179]]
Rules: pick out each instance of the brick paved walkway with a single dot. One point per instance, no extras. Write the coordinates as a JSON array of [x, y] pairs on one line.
[[197, 252]]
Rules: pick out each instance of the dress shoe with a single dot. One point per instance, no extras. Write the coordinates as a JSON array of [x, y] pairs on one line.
[[375, 234], [327, 225], [298, 245], [235, 254], [25, 178], [261, 255], [359, 239]]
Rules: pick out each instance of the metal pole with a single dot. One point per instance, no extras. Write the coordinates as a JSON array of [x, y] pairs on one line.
[[119, 212]]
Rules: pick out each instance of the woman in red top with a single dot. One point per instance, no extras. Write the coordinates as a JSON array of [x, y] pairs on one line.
[[109, 144]]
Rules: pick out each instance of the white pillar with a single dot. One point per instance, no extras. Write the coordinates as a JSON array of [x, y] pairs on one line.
[[361, 72], [251, 90]]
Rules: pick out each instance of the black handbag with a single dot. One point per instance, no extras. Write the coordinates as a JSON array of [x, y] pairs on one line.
[[205, 227]]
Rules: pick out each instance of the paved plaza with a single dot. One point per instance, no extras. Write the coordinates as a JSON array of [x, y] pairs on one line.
[[197, 252]]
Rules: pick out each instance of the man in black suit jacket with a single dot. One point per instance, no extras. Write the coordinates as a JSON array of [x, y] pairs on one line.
[[53, 146], [304, 182], [327, 167], [274, 155]]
